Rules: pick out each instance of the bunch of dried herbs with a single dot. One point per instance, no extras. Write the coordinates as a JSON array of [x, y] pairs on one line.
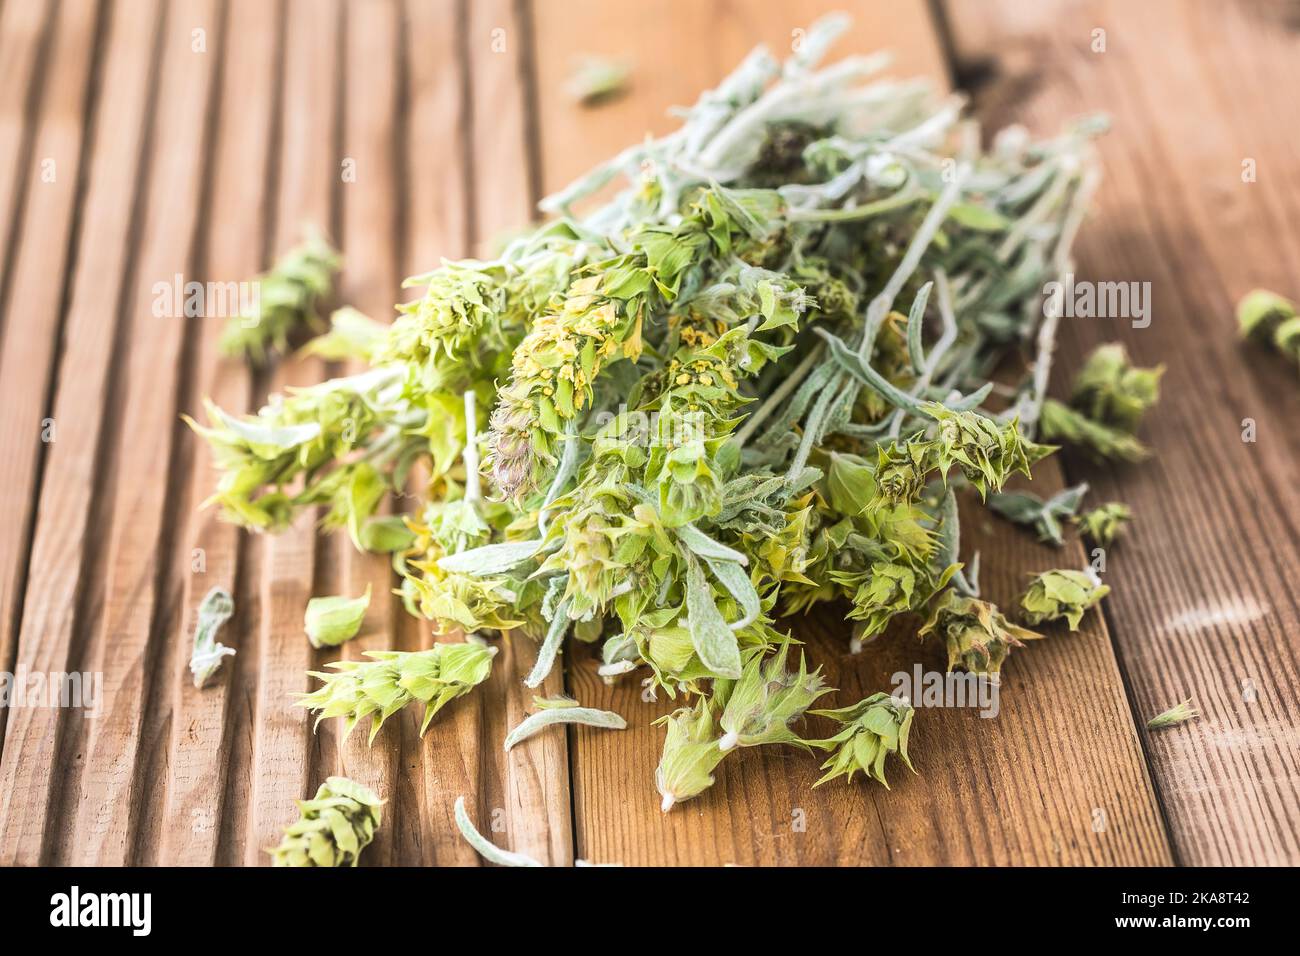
[[746, 385]]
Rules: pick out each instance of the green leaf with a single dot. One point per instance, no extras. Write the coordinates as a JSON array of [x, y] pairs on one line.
[[485, 847], [491, 558], [713, 640], [331, 621], [705, 547], [206, 658], [979, 218], [550, 646], [386, 535], [587, 716], [735, 579]]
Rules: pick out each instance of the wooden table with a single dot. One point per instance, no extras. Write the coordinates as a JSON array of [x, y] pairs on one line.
[[140, 140]]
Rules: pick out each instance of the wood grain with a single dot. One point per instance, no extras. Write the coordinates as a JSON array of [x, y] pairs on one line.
[[31, 305], [437, 205], [285, 754], [524, 801], [971, 804], [370, 277], [62, 598], [26, 30], [141, 428], [1204, 604], [195, 730]]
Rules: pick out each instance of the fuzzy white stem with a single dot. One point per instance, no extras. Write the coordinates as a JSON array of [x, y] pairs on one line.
[[473, 487], [779, 395]]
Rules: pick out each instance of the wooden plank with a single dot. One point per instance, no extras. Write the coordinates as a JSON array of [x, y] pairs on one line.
[[437, 189], [525, 798], [499, 47], [285, 754], [25, 30], [1204, 601], [197, 732], [975, 802], [34, 770], [141, 428], [436, 123], [370, 282], [32, 300]]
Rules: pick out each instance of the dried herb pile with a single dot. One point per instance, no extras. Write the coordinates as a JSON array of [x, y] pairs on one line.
[[746, 385]]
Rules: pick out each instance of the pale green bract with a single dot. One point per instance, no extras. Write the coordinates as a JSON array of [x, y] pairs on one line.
[[596, 79], [691, 753], [1178, 714], [1062, 594], [330, 621], [208, 652], [761, 705], [334, 826], [382, 686]]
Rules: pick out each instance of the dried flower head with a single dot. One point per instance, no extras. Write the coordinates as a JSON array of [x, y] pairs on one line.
[[1112, 390], [760, 707], [873, 729], [1104, 524], [334, 826], [1058, 594], [977, 635], [286, 302], [382, 686]]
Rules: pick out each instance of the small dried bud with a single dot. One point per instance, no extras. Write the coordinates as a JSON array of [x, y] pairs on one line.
[[510, 448], [331, 621], [978, 636], [1105, 523], [691, 752], [335, 826], [873, 729], [1113, 391], [1062, 594]]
